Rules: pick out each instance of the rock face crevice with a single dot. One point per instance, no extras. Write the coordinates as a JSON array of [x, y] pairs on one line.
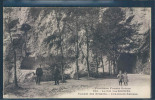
[[43, 22]]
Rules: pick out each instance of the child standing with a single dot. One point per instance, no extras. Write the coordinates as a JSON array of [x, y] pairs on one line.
[[125, 76], [120, 77]]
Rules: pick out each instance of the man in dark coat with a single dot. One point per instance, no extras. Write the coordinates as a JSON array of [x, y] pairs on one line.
[[56, 76], [39, 73]]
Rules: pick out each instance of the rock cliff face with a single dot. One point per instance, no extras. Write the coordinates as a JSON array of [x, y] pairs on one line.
[[143, 16], [43, 23]]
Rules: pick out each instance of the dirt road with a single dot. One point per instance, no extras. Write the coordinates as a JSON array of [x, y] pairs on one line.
[[138, 86]]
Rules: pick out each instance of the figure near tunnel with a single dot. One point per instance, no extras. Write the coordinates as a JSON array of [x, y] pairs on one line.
[[39, 73], [56, 75], [120, 77], [125, 78]]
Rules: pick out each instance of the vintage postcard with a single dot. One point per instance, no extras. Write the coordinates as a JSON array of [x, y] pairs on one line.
[[77, 52]]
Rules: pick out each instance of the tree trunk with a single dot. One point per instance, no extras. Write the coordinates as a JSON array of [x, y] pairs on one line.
[[87, 58], [15, 74], [26, 44], [62, 65], [113, 62], [102, 64], [116, 67], [109, 67], [61, 50], [96, 64], [77, 53]]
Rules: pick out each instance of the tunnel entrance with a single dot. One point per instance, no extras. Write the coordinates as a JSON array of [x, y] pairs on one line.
[[127, 62], [28, 63]]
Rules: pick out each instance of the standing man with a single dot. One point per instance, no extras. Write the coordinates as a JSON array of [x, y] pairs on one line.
[[39, 73], [56, 75]]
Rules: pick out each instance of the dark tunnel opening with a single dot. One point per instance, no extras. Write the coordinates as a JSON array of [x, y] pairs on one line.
[[127, 62]]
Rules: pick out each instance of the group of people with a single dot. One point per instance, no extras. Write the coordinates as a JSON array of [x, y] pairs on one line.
[[122, 78], [39, 74]]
